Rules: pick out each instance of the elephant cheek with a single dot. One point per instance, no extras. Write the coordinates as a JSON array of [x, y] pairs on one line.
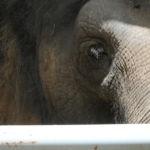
[[48, 73]]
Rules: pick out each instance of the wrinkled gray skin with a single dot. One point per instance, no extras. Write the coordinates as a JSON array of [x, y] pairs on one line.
[[114, 89]]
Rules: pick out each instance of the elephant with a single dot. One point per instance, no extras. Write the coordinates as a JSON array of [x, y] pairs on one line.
[[74, 62]]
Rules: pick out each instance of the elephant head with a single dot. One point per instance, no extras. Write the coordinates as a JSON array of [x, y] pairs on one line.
[[92, 60], [97, 69]]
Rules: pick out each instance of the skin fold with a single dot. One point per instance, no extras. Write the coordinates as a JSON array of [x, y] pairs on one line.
[[74, 62]]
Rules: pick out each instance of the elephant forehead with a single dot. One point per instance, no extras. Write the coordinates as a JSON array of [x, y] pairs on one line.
[[121, 30], [97, 11]]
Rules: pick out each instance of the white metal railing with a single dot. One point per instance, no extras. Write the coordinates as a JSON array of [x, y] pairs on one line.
[[75, 137]]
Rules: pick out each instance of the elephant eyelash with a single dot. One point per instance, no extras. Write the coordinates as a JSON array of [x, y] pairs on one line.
[[96, 51]]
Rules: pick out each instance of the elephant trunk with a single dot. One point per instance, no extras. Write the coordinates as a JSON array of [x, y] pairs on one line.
[[133, 65], [130, 74]]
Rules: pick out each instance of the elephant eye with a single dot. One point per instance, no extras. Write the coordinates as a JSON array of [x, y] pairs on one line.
[[97, 52]]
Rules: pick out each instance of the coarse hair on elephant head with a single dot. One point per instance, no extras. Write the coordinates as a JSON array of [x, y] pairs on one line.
[[74, 62]]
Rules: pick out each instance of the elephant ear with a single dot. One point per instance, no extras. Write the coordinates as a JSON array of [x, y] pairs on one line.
[[20, 90], [8, 52], [8, 63]]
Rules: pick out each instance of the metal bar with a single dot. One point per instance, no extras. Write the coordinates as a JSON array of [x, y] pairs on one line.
[[75, 137]]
